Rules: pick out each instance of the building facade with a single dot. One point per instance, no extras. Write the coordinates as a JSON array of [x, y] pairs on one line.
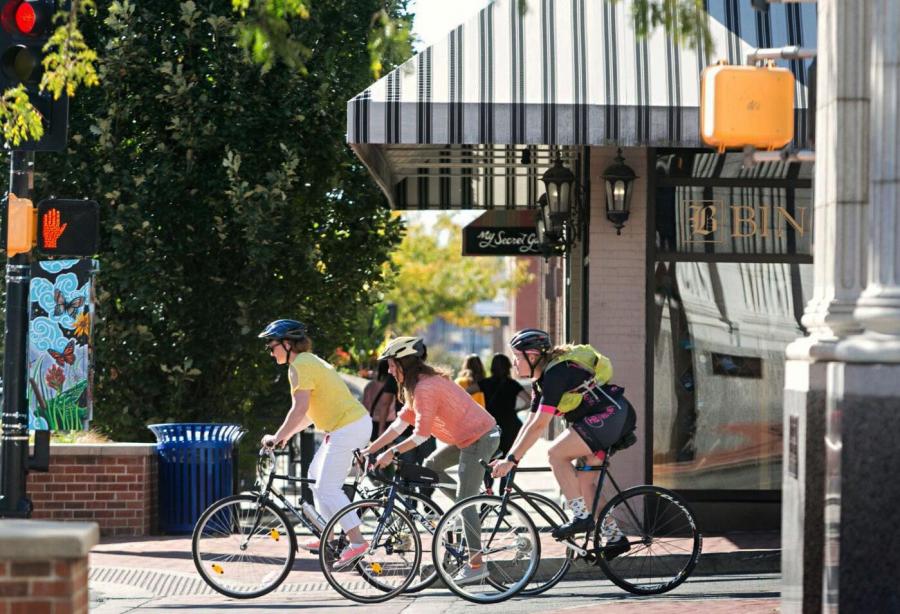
[[698, 296]]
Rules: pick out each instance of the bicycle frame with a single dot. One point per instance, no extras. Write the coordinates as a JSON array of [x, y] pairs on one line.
[[508, 487]]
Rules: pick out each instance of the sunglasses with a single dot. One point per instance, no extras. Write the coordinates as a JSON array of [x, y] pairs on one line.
[[271, 349]]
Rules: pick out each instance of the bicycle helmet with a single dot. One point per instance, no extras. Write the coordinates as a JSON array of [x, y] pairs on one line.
[[402, 347], [280, 330], [530, 339]]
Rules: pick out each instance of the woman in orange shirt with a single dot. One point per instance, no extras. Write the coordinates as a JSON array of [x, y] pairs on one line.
[[435, 405]]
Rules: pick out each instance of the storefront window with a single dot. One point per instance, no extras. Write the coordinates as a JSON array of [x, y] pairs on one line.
[[732, 275]]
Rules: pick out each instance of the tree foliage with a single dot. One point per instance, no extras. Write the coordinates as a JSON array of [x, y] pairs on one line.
[[228, 198], [431, 278]]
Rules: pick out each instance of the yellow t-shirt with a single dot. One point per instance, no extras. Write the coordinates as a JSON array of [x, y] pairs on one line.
[[331, 404]]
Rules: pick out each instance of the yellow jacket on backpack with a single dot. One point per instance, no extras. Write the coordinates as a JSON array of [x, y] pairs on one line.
[[589, 359]]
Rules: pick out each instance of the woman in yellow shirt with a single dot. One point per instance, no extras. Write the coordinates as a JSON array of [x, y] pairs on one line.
[[470, 376], [320, 397]]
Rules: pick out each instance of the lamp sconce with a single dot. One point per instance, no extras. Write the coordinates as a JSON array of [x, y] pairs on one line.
[[619, 179], [558, 226]]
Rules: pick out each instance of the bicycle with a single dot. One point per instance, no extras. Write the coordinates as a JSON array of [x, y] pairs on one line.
[[244, 546], [392, 563], [637, 520]]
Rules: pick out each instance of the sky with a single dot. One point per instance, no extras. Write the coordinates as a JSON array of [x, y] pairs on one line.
[[434, 19]]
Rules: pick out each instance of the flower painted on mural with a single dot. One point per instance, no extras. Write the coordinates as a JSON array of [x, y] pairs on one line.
[[55, 378], [82, 325]]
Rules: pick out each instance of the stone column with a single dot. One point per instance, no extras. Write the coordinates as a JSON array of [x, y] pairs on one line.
[[841, 196], [862, 546]]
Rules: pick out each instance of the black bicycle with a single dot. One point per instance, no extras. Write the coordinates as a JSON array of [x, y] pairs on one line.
[[398, 523], [645, 540]]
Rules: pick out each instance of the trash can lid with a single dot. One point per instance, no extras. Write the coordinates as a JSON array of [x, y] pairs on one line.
[[197, 431]]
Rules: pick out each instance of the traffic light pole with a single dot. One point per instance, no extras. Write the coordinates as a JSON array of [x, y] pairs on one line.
[[14, 502]]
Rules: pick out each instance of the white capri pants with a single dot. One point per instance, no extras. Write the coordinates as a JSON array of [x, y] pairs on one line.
[[331, 466]]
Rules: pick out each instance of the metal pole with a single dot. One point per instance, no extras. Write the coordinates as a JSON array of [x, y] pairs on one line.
[[14, 501]]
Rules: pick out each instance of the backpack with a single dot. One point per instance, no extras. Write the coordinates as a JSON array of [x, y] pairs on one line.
[[589, 359]]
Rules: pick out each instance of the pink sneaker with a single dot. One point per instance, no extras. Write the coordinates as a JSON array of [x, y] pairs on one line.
[[311, 546], [350, 555]]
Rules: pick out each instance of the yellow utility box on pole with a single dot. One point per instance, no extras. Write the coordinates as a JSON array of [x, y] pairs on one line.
[[746, 105]]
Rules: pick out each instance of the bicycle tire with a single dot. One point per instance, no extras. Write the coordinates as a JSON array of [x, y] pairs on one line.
[[537, 587], [326, 556], [438, 556], [202, 524], [625, 511]]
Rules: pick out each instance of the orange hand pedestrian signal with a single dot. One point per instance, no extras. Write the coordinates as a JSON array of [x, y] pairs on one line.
[[51, 229], [68, 227]]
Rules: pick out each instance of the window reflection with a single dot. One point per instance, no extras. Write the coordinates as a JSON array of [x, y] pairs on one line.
[[719, 335]]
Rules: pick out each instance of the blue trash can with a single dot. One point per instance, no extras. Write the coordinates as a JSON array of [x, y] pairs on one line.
[[196, 468]]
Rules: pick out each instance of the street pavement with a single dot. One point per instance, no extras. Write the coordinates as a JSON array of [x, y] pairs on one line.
[[737, 572], [747, 594]]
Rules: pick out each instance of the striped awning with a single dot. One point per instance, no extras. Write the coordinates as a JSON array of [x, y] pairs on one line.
[[547, 73]]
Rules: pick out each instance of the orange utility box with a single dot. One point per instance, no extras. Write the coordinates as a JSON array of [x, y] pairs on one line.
[[746, 105]]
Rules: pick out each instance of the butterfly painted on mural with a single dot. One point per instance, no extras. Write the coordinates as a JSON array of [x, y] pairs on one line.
[[67, 356], [63, 306]]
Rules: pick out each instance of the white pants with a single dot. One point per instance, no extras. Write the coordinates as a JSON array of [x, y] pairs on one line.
[[331, 465]]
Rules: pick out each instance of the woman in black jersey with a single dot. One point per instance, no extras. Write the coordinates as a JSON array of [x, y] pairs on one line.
[[597, 419]]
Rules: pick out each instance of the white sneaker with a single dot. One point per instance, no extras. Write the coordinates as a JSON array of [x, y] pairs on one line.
[[471, 575]]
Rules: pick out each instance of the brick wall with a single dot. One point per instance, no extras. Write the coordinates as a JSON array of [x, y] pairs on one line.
[[55, 586], [617, 299], [43, 566], [114, 485]]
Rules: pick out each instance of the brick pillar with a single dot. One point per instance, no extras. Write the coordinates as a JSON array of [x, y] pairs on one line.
[[43, 566]]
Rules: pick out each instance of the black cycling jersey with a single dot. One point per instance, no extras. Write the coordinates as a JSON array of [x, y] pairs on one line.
[[548, 390]]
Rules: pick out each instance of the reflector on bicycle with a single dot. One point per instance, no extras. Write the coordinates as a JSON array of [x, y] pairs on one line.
[[218, 569], [274, 534], [375, 568]]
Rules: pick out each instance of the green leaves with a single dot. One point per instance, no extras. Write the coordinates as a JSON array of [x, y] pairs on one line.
[[218, 204], [685, 20], [20, 120], [68, 62]]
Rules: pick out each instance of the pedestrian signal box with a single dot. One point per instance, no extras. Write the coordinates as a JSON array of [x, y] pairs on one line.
[[68, 227], [746, 105], [19, 226]]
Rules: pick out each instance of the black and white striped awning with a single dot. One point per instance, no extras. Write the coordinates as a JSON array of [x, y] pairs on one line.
[[543, 73]]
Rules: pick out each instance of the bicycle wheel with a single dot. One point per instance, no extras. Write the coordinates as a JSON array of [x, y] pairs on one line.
[[662, 539], [243, 548], [390, 564], [509, 546], [556, 559], [426, 514]]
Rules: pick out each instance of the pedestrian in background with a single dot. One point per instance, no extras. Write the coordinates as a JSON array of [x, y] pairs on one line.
[[501, 394], [470, 376], [379, 397]]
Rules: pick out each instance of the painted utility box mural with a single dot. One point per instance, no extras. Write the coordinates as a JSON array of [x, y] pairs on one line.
[[60, 350]]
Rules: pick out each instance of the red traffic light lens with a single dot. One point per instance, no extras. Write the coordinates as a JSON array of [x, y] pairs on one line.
[[25, 18]]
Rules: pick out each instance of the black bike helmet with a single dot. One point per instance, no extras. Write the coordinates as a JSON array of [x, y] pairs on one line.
[[280, 330], [531, 339]]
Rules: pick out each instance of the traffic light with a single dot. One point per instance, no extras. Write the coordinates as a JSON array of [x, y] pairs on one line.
[[25, 27], [68, 227]]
